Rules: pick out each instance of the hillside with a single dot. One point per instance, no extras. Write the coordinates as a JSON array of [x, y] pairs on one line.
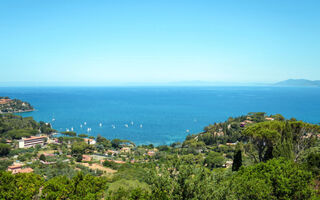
[[254, 156], [8, 105]]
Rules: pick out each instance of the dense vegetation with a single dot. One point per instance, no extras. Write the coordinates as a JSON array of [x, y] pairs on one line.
[[249, 157], [8, 105]]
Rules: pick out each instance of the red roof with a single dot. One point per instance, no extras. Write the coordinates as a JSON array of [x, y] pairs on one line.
[[15, 166], [33, 137]]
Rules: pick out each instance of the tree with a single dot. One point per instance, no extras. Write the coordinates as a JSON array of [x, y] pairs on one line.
[[116, 143], [263, 136], [81, 186], [214, 160], [275, 179], [4, 149], [42, 157], [69, 133], [237, 160], [19, 186], [83, 135]]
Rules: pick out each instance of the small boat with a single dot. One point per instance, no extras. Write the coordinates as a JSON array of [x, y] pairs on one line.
[[53, 119], [140, 125], [71, 128], [100, 124], [67, 130], [187, 130], [85, 123], [131, 123], [80, 125], [126, 125], [113, 126]]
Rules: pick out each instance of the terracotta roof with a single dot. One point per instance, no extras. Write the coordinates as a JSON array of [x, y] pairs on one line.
[[33, 137], [15, 166], [26, 170]]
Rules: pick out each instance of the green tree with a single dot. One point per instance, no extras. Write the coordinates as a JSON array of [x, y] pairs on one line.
[[214, 160], [69, 133], [19, 186], [237, 160], [81, 186], [4, 149], [42, 157], [276, 179], [83, 135]]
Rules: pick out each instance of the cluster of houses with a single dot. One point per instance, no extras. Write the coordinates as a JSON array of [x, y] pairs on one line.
[[5, 101]]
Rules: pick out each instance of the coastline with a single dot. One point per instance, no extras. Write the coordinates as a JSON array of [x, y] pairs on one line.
[[20, 111]]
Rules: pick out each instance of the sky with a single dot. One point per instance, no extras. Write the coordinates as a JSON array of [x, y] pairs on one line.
[[122, 41]]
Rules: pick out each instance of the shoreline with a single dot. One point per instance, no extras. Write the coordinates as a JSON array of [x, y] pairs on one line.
[[20, 111]]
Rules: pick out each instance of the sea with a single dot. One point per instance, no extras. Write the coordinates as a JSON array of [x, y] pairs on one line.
[[159, 115]]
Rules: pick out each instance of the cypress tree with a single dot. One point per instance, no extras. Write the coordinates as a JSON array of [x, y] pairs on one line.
[[237, 160]]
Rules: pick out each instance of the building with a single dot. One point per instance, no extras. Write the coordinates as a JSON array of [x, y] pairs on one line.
[[5, 101], [151, 153], [125, 150], [86, 158], [32, 141], [269, 118], [15, 169], [90, 141]]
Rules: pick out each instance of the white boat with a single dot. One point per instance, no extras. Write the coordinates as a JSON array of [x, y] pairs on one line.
[[71, 128], [80, 125], [85, 123], [113, 126], [67, 130], [131, 123], [126, 125], [140, 125], [187, 130], [100, 124]]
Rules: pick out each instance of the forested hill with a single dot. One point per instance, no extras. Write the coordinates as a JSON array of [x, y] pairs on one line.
[[255, 156], [8, 105]]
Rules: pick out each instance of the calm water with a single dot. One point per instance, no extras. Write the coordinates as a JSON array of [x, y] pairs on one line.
[[160, 115]]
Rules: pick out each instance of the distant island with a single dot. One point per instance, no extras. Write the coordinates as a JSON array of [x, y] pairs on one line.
[[8, 105], [299, 82]]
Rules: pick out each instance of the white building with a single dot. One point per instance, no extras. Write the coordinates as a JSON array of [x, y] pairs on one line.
[[31, 142]]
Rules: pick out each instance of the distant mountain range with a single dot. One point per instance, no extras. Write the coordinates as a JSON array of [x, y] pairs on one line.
[[299, 82]]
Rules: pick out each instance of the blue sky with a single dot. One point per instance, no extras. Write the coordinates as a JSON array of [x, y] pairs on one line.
[[159, 41]]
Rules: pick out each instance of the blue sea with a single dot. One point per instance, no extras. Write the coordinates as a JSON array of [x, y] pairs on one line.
[[159, 115]]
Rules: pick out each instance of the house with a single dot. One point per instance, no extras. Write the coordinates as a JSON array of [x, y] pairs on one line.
[[269, 118], [151, 153], [32, 141], [86, 158], [90, 141], [125, 150], [15, 169]]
